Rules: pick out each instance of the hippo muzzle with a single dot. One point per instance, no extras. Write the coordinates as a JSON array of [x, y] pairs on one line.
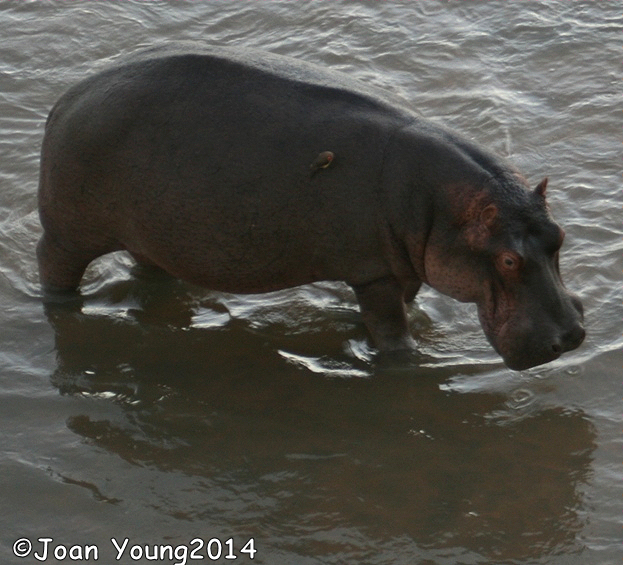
[[533, 332]]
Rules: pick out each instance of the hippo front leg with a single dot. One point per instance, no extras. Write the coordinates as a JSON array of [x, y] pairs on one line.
[[384, 313]]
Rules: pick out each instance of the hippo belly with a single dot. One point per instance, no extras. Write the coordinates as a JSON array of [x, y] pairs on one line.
[[202, 166]]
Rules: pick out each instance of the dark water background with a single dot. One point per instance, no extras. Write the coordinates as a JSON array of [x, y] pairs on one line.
[[162, 413]]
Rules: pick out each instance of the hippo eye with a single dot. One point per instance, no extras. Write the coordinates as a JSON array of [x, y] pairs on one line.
[[509, 261]]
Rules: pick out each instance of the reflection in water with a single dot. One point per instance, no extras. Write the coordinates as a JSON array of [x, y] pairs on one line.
[[309, 464]]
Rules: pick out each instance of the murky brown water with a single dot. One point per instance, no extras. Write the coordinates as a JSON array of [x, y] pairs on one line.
[[162, 413]]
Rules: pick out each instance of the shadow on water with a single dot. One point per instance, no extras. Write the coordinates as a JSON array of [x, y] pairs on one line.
[[321, 464]]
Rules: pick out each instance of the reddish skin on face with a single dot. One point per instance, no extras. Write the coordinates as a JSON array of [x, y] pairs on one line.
[[244, 171]]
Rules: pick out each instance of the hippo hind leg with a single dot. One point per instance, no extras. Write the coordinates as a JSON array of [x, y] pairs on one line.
[[61, 269]]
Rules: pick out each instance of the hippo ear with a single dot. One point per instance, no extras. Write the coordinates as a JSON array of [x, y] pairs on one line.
[[541, 187], [488, 215], [478, 233]]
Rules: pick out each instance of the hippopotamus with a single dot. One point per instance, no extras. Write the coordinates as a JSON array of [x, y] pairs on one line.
[[248, 172]]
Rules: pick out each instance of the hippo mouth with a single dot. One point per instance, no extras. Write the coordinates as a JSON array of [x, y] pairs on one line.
[[510, 339], [519, 357], [522, 357], [523, 346]]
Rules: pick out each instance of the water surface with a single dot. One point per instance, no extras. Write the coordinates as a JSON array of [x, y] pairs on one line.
[[161, 413]]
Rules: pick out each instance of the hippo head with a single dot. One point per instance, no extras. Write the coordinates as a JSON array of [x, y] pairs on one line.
[[499, 248]]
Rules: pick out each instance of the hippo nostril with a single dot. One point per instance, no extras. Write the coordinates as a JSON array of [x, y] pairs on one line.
[[570, 340], [575, 337]]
